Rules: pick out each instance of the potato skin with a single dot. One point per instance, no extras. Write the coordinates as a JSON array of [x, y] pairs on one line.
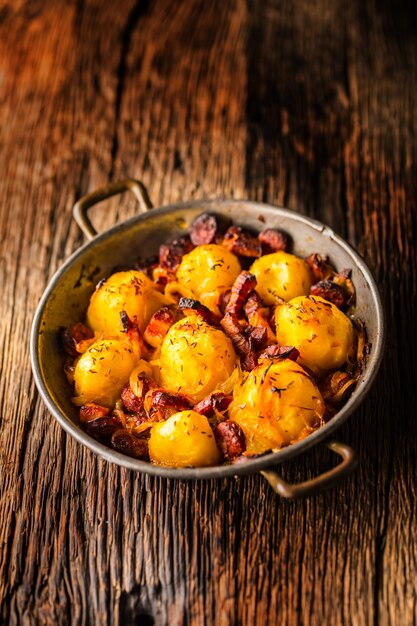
[[323, 334], [277, 404], [195, 358], [281, 275], [102, 371], [129, 291], [208, 271], [184, 440]]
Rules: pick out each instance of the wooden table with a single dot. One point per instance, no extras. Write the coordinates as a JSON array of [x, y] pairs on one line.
[[311, 105]]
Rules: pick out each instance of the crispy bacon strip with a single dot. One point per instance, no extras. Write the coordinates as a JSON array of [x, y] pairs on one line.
[[92, 411], [344, 280], [215, 402], [280, 352], [170, 254], [258, 315], [103, 428], [259, 337], [230, 439], [320, 266], [133, 402], [160, 404], [244, 284], [204, 229], [241, 242], [158, 326], [161, 276], [189, 306], [74, 339], [126, 443], [243, 344], [330, 291], [273, 240]]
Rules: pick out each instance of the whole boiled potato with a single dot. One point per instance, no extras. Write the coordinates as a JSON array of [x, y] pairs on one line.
[[195, 358], [208, 271], [323, 334], [129, 291], [281, 276], [103, 370], [277, 404], [184, 440]]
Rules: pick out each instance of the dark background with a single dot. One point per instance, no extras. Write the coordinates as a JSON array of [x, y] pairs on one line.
[[307, 104]]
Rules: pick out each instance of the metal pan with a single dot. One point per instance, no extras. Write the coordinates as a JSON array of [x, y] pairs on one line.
[[66, 297]]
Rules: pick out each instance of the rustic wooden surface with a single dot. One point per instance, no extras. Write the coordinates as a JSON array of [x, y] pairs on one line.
[[308, 104]]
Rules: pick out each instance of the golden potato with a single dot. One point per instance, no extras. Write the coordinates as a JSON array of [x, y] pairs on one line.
[[102, 371], [208, 271], [277, 404], [323, 334], [281, 275], [184, 440], [195, 358], [129, 291]]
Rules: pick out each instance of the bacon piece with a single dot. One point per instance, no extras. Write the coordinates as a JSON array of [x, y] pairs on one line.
[[215, 402], [252, 304], [230, 439], [259, 337], [161, 276], [92, 411], [103, 428], [204, 229], [273, 240], [344, 280], [258, 316], [132, 402], [244, 284], [189, 306], [244, 345], [128, 444], [280, 352], [320, 266], [330, 291], [170, 254], [73, 337], [241, 242], [158, 326], [160, 404]]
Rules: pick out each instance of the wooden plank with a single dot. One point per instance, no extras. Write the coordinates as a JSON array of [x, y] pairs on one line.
[[306, 104]]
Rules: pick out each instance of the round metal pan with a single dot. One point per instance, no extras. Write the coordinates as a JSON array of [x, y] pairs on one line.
[[66, 298]]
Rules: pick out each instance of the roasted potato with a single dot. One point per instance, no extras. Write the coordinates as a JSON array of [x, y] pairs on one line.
[[281, 276], [183, 440], [322, 334], [277, 404], [195, 358], [103, 370], [129, 291], [208, 271]]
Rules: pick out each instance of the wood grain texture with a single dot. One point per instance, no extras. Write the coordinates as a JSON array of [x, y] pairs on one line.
[[308, 104]]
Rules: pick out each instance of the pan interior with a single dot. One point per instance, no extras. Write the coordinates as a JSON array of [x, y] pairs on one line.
[[67, 296]]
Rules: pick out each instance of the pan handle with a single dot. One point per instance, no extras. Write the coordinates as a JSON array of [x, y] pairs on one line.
[[311, 487], [80, 210]]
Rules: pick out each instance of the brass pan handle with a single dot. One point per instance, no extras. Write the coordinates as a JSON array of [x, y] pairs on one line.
[[311, 487], [80, 210]]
